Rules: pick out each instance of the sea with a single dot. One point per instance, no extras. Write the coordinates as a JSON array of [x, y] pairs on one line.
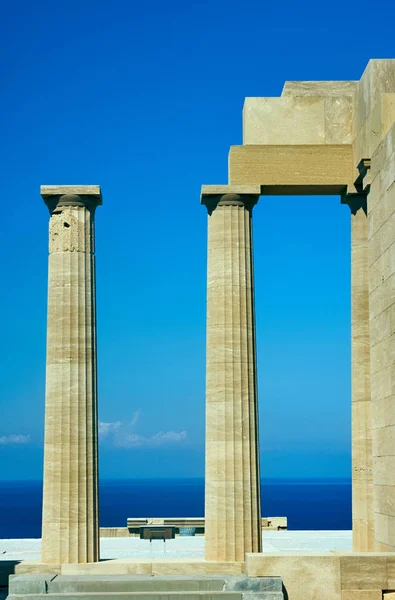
[[310, 504]]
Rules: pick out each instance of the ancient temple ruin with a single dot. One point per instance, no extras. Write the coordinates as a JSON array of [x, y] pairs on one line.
[[317, 138]]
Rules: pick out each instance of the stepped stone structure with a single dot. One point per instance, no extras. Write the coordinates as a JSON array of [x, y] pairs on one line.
[[70, 504], [330, 138]]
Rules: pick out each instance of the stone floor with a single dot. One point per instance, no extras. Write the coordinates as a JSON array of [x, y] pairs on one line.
[[188, 547]]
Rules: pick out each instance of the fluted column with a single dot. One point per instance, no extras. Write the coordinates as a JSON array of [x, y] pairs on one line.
[[232, 488], [70, 528], [362, 474]]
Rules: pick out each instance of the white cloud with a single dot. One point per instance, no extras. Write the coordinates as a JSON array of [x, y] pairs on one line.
[[161, 438], [135, 418], [106, 428], [122, 435], [14, 439], [169, 437]]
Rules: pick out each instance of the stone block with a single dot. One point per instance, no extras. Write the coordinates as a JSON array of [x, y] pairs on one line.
[[362, 595], [388, 113], [338, 120], [384, 469], [384, 440], [298, 169], [384, 524], [30, 584], [81, 584], [79, 190], [305, 576], [359, 572], [378, 78], [384, 500], [390, 570], [183, 567], [382, 211], [319, 88], [255, 585], [35, 566], [114, 532], [382, 297], [293, 120], [383, 406]]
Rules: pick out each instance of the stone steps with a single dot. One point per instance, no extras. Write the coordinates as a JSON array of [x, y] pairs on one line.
[[191, 595], [143, 587]]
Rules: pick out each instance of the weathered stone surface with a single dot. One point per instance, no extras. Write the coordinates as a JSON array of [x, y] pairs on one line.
[[362, 594], [359, 572], [338, 120], [290, 120], [298, 169], [220, 190], [319, 88], [362, 473], [328, 138], [304, 576], [30, 584], [70, 502], [79, 190], [232, 493], [297, 120]]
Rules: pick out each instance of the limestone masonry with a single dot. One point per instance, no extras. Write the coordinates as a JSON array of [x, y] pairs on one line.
[[318, 138], [70, 501], [327, 138]]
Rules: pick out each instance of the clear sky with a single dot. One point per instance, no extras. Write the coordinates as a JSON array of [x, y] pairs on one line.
[[145, 98]]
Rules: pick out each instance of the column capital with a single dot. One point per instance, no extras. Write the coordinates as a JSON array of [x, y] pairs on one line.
[[229, 195], [71, 195]]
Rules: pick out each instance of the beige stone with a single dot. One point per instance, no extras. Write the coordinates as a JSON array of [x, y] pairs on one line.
[[48, 191], [232, 494], [293, 120], [298, 169], [362, 594], [183, 567], [35, 567], [70, 500], [390, 567], [320, 88], [153, 567], [114, 532], [305, 577], [362, 473], [363, 572]]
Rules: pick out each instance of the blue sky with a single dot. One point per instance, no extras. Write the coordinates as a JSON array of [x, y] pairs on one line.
[[145, 100]]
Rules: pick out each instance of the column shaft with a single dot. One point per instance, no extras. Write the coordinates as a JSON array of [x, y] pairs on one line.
[[70, 504], [232, 503], [362, 475]]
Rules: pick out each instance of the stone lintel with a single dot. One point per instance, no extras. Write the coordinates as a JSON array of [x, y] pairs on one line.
[[297, 169]]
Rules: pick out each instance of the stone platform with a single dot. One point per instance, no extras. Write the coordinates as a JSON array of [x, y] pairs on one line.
[[127, 587], [188, 547]]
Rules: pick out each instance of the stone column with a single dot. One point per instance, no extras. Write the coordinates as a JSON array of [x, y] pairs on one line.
[[70, 528], [362, 474], [232, 489]]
